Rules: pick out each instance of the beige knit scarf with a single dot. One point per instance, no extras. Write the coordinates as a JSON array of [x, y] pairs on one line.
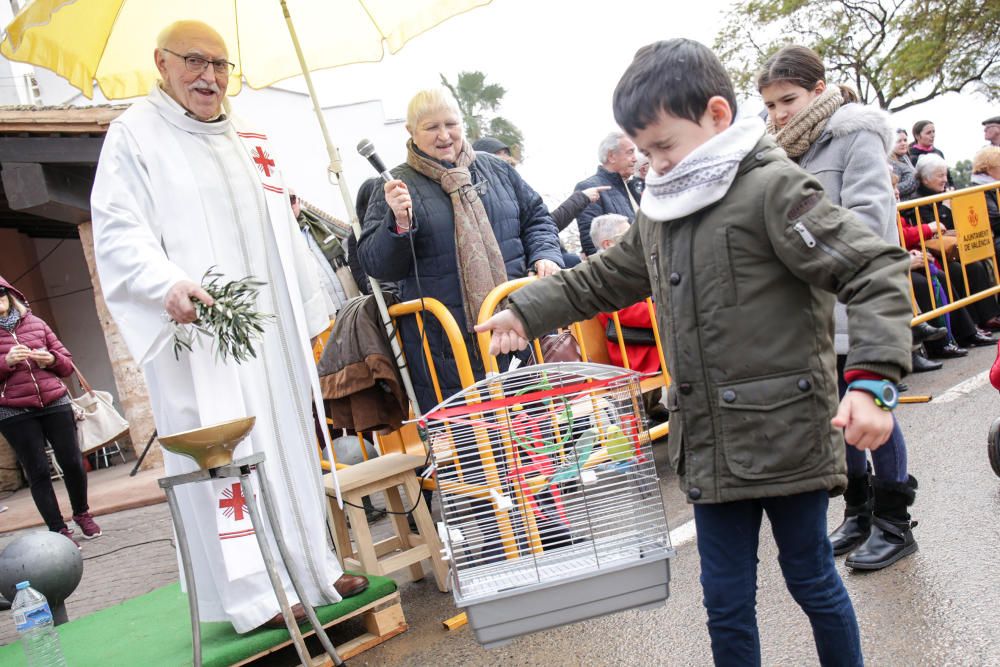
[[480, 263], [806, 126]]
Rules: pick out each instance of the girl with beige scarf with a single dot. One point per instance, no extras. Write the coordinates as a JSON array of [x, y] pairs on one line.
[[845, 146]]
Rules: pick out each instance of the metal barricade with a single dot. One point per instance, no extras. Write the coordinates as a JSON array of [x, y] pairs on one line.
[[974, 243]]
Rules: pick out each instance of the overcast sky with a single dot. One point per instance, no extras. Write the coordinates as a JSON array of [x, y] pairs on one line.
[[560, 61]]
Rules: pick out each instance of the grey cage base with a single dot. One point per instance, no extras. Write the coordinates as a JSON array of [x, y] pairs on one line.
[[644, 583]]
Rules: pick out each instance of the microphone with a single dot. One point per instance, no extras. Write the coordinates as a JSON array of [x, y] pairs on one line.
[[367, 151]]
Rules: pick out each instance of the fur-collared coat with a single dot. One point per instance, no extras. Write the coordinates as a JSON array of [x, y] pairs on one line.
[[850, 160]]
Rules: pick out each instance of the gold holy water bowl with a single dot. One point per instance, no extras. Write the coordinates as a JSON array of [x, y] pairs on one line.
[[210, 446]]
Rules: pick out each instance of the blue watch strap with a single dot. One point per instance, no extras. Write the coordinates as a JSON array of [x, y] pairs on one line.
[[885, 393]]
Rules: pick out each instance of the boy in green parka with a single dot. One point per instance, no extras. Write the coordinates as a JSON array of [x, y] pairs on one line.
[[744, 256]]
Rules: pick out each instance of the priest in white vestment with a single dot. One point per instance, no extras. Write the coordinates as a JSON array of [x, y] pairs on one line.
[[181, 187]]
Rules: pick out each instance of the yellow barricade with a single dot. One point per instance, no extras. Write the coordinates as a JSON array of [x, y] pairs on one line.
[[973, 241]]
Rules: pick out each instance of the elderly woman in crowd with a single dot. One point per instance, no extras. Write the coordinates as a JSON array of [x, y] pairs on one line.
[[452, 225], [35, 408], [932, 178]]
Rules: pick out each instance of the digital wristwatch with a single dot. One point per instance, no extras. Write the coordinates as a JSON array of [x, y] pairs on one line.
[[884, 392]]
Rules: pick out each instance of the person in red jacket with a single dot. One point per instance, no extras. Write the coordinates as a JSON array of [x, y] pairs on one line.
[[35, 408], [644, 358]]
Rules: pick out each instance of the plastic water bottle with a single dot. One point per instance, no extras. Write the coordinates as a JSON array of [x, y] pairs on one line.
[[33, 619]]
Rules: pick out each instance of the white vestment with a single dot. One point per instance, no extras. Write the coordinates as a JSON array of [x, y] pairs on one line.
[[173, 197]]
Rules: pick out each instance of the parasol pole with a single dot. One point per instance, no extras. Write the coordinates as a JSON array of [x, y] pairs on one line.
[[336, 168]]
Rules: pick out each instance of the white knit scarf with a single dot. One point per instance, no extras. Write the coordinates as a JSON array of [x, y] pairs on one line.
[[704, 176]]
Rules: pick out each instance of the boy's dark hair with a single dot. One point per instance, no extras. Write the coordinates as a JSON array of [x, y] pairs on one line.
[[676, 76]]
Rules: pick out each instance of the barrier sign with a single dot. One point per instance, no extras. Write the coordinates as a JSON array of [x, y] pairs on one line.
[[975, 239]]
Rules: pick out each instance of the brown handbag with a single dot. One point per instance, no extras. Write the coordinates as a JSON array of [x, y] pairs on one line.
[[944, 245], [559, 346]]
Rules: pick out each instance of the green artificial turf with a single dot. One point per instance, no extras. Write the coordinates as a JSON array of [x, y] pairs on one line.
[[155, 630]]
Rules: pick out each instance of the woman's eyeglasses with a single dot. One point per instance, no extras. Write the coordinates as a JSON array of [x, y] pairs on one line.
[[3, 291]]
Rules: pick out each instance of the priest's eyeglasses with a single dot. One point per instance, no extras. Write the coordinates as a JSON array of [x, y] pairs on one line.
[[197, 64]]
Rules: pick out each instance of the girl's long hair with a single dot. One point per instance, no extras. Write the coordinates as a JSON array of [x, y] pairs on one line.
[[799, 66]]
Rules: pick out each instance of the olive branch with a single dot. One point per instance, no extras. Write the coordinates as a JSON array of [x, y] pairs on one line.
[[232, 321]]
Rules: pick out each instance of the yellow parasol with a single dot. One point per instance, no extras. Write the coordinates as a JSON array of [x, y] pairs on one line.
[[109, 43]]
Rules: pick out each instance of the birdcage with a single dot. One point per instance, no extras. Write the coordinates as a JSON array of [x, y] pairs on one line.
[[551, 507]]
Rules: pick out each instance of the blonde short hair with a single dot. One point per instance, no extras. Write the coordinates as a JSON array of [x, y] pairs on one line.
[[429, 101], [986, 159]]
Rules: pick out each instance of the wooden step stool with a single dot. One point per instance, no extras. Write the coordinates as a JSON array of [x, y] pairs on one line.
[[407, 549]]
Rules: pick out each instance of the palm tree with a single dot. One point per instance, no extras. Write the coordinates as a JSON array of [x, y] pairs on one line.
[[478, 102]]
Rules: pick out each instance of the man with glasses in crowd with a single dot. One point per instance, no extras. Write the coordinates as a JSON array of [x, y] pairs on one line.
[[182, 187]]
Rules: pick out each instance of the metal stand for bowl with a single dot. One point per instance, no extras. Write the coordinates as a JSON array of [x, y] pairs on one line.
[[242, 468]]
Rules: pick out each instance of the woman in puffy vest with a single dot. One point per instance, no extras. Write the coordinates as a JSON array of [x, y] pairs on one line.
[[35, 408], [452, 225]]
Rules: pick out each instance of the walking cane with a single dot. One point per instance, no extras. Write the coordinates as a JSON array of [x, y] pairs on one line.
[[145, 451]]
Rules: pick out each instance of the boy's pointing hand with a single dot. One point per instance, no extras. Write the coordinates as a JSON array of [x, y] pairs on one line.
[[508, 333], [866, 426]]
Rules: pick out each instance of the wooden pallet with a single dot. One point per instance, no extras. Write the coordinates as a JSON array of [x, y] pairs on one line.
[[383, 620]]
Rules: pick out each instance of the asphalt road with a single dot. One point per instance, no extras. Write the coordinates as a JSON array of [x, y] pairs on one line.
[[937, 607]]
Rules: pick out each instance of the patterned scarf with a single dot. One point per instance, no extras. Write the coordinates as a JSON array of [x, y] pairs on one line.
[[806, 126], [704, 176], [10, 320], [480, 263]]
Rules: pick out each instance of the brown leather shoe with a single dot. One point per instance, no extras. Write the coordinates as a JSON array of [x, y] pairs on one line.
[[278, 621], [348, 585]]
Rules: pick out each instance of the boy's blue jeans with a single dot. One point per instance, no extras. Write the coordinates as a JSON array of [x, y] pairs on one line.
[[728, 538]]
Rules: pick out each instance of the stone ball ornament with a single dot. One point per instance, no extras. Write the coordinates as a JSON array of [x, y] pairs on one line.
[[50, 561]]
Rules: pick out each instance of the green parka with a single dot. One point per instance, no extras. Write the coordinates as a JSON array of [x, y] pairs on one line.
[[745, 291]]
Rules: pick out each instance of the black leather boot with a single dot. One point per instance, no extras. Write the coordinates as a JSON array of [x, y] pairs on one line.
[[857, 516], [891, 536], [922, 364]]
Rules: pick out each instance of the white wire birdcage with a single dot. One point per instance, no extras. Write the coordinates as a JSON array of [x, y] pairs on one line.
[[547, 482]]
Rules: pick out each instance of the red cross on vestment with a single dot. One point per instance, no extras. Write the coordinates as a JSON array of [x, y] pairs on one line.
[[234, 503], [263, 160]]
